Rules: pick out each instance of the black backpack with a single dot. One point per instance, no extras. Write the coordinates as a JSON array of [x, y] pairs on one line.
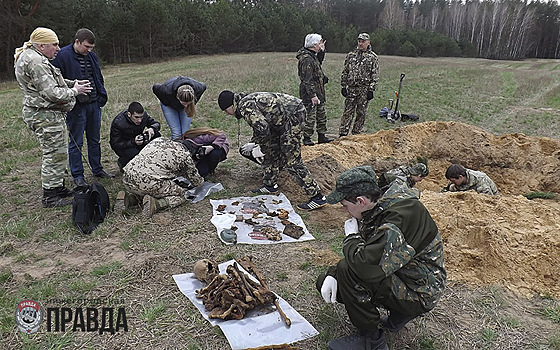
[[90, 207]]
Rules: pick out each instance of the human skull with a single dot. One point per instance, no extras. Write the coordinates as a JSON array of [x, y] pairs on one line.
[[205, 270]]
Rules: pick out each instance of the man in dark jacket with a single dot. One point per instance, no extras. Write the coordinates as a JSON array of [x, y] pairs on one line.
[[276, 120], [77, 62], [393, 258], [312, 88], [131, 130]]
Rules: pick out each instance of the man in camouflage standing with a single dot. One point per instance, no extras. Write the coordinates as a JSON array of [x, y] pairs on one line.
[[312, 88], [359, 79], [393, 258], [276, 120], [46, 98]]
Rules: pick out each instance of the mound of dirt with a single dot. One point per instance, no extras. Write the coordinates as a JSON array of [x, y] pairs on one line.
[[507, 239]]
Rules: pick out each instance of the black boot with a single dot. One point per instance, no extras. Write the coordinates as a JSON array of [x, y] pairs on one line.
[[52, 199], [307, 141], [64, 192], [362, 340], [323, 139], [395, 321]]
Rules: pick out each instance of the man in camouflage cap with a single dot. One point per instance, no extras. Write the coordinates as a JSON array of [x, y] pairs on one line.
[[409, 175], [359, 79], [462, 179], [46, 98], [276, 120], [393, 258]]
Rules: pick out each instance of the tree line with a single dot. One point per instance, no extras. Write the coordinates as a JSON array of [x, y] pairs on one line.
[[140, 30]]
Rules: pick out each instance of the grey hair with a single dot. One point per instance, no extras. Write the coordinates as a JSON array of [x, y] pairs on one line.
[[312, 40]]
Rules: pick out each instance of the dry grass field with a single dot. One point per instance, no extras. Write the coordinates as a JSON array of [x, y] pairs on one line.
[[500, 116]]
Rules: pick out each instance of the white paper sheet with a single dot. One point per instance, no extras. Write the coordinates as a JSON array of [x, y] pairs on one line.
[[256, 328], [226, 218]]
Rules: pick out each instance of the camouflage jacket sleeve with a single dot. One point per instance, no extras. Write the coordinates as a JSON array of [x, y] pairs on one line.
[[480, 182], [345, 71], [256, 120], [188, 170], [379, 255], [374, 72]]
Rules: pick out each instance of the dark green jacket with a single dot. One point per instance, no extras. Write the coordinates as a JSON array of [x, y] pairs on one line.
[[399, 237]]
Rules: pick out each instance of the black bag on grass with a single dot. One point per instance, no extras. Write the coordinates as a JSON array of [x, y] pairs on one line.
[[90, 207]]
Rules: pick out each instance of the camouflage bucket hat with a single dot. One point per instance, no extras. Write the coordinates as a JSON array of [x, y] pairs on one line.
[[354, 181], [419, 169]]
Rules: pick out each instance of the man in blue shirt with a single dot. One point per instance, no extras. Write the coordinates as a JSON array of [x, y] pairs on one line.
[[77, 61]]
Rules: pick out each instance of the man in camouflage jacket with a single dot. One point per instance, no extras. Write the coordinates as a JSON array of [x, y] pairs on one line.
[[276, 120], [312, 88], [46, 98], [410, 175], [151, 173], [393, 258], [359, 79], [462, 179]]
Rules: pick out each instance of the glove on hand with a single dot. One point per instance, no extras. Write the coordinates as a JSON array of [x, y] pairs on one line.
[[350, 226], [257, 154], [247, 148], [329, 289], [207, 149], [370, 95], [344, 92]]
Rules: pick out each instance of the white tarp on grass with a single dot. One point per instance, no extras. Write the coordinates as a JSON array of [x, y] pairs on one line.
[[256, 328], [246, 206]]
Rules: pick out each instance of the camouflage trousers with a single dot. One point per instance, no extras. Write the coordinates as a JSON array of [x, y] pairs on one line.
[[315, 115], [362, 303], [143, 184], [355, 102], [50, 129], [284, 151]]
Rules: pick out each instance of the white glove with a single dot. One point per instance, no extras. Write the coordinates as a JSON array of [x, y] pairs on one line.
[[350, 226], [257, 154], [329, 289], [247, 148], [207, 149]]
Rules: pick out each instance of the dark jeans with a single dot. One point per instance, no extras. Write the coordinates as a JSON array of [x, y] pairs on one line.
[[84, 118], [210, 161]]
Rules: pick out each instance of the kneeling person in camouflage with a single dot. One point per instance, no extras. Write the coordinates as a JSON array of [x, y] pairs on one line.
[[393, 258], [276, 120], [152, 173]]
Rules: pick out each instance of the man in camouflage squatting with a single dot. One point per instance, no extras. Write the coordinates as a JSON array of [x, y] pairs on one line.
[[359, 79], [151, 173], [276, 120], [312, 88], [393, 258], [46, 98], [409, 175], [463, 179]]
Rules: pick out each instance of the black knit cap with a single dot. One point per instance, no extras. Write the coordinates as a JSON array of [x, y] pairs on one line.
[[225, 99]]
